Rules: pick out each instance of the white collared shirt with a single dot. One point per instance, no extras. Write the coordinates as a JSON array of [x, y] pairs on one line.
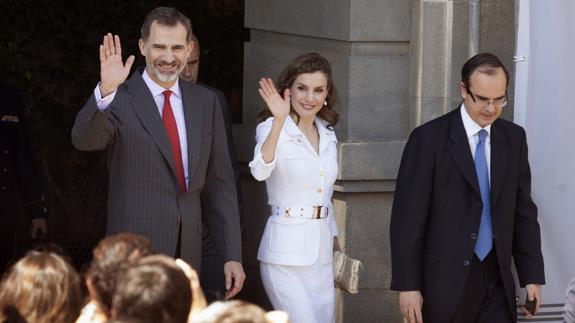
[[157, 93], [472, 129]]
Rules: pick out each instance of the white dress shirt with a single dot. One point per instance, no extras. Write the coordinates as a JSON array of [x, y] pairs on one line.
[[158, 93], [297, 176], [472, 130]]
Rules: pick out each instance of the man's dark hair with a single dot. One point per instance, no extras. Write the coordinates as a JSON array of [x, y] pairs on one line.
[[166, 16], [484, 63], [153, 290]]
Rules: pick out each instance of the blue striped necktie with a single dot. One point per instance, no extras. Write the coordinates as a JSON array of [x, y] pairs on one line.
[[485, 237]]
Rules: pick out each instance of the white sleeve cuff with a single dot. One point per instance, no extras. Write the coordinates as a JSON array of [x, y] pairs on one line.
[[103, 102], [260, 169]]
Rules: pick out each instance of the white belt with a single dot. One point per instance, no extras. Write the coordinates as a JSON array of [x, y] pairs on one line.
[[307, 212]]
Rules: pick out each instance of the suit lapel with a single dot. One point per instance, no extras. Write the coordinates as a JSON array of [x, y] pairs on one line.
[[193, 105], [145, 108], [460, 152], [499, 155]]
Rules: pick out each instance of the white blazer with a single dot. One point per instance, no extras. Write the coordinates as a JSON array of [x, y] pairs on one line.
[[297, 176]]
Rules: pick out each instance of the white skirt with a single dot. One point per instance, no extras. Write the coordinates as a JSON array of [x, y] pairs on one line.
[[306, 293]]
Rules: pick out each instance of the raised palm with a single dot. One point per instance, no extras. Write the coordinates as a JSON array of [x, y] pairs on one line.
[[279, 107], [113, 71]]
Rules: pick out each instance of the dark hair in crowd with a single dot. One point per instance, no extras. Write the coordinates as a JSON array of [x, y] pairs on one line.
[[165, 16], [483, 63], [155, 289], [110, 255], [308, 63], [41, 287]]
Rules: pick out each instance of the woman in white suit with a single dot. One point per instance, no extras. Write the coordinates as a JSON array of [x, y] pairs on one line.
[[296, 154]]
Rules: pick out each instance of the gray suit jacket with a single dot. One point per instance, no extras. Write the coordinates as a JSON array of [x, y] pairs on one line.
[[143, 191]]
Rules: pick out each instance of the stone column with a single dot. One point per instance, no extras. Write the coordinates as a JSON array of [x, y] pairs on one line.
[[440, 47], [396, 65]]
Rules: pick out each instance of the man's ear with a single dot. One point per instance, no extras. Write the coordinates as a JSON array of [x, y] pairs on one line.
[[141, 44], [190, 47], [463, 90]]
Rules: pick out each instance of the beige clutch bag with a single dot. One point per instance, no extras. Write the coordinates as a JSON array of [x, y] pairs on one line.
[[346, 272]]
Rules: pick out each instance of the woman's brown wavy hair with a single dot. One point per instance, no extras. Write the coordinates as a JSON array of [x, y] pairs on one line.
[[308, 63], [42, 287]]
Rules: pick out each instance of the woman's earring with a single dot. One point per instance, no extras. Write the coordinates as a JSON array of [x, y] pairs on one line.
[[325, 103]]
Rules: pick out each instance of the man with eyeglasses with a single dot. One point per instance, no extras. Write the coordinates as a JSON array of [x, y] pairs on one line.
[[463, 209]]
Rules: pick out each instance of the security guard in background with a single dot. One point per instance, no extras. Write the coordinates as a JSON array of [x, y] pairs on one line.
[[20, 184]]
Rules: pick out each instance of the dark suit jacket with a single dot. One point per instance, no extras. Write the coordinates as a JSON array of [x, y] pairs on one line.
[[143, 191], [231, 149], [20, 181], [437, 211], [212, 278]]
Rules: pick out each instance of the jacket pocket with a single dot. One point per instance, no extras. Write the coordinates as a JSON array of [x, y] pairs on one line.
[[287, 237], [430, 254], [511, 177]]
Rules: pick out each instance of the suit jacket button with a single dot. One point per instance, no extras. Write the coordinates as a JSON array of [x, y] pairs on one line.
[[479, 204], [473, 236], [466, 263]]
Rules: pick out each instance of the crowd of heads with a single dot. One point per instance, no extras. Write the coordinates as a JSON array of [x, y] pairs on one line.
[[125, 282]]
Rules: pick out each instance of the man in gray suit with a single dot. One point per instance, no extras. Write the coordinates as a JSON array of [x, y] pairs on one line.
[[166, 147]]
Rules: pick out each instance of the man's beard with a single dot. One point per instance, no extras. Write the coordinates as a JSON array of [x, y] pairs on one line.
[[162, 76]]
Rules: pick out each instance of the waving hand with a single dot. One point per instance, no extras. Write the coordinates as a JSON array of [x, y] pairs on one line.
[[279, 107], [113, 71]]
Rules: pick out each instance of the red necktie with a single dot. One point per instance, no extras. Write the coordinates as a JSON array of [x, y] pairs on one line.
[[172, 132]]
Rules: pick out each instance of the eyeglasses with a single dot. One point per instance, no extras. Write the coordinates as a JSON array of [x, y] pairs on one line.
[[498, 103]]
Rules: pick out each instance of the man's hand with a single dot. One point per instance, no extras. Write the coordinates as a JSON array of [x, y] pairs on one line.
[[533, 291], [410, 305], [235, 278], [113, 72], [38, 225]]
